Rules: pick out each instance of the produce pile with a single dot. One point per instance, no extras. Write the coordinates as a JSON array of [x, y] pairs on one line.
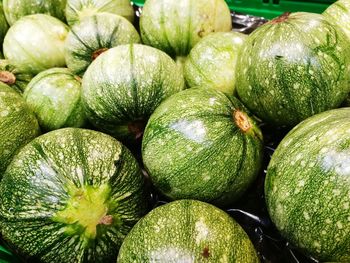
[[170, 137]]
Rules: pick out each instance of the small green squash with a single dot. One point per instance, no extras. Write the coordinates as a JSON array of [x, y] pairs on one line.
[[77, 10], [36, 43], [293, 67], [14, 76], [71, 195], [307, 186], [55, 97], [212, 62], [18, 125], [200, 144], [15, 9], [175, 26], [3, 25], [94, 35], [339, 14], [187, 231], [124, 85]]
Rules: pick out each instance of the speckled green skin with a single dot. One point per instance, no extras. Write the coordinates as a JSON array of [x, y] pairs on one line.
[[3, 25], [307, 186], [36, 43], [55, 97], [15, 9], [18, 125], [187, 231], [36, 187], [290, 70], [94, 33], [192, 148], [76, 10], [21, 78], [125, 85], [339, 14], [212, 62], [175, 26]]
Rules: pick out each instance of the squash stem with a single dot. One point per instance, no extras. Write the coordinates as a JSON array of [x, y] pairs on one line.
[[98, 52], [242, 120], [245, 124], [281, 18], [7, 77]]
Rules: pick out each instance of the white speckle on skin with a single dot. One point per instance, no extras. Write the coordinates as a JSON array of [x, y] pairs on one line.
[[212, 101], [328, 221], [202, 231], [339, 225], [4, 113], [306, 215]]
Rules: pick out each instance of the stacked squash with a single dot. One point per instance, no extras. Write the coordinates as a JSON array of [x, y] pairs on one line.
[[99, 113]]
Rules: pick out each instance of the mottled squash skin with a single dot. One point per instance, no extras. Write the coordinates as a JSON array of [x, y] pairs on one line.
[[18, 125], [175, 26], [200, 144], [187, 231], [307, 186], [71, 195], [294, 67], [16, 9]]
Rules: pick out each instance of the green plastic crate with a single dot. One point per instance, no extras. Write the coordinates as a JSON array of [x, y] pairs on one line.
[[272, 8]]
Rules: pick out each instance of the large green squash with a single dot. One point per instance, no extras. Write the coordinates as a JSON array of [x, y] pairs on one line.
[[15, 9], [71, 195], [77, 10], [3, 25], [125, 84], [339, 14], [175, 26], [93, 36], [55, 97], [293, 67], [308, 186], [187, 231], [14, 76], [200, 144], [36, 43], [18, 125], [212, 62]]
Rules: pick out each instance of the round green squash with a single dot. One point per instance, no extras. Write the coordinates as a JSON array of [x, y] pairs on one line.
[[14, 76], [55, 97], [339, 14], [71, 195], [18, 125], [93, 36], [175, 26], [3, 25], [15, 9], [187, 231], [201, 144], [307, 186], [36, 43], [212, 62], [77, 10], [124, 85], [293, 67]]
